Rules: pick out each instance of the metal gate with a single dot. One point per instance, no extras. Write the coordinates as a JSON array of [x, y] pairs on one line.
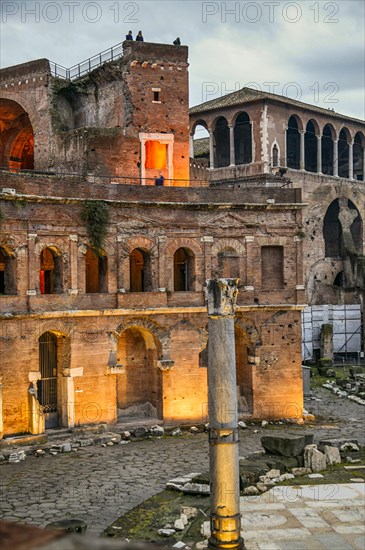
[[47, 385]]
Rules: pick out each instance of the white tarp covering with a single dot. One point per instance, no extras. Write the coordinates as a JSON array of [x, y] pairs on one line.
[[346, 321]]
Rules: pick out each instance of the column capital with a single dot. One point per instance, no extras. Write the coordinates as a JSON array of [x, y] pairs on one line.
[[220, 297], [207, 239], [73, 238]]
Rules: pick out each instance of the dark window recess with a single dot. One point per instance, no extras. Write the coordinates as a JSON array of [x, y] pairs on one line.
[[156, 96]]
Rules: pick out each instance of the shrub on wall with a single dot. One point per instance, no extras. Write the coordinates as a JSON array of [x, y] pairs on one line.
[[96, 218]]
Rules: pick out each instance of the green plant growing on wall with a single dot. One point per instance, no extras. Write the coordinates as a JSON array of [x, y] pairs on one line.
[[96, 217]]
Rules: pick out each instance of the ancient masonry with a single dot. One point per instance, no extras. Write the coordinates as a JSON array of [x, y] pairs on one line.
[[101, 272]]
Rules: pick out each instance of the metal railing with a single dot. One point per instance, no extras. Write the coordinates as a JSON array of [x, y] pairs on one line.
[[85, 67]]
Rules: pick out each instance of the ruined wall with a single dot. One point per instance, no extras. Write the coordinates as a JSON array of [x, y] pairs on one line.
[[96, 366]]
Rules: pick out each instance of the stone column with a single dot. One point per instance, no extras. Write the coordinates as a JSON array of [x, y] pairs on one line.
[[335, 157], [225, 518], [33, 268], [319, 154], [284, 159], [191, 146], [302, 150], [73, 264], [232, 160], [351, 160], [326, 342], [211, 149], [68, 395]]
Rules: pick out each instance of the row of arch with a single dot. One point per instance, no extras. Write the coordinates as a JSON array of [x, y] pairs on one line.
[[139, 348], [51, 269], [322, 151], [309, 148]]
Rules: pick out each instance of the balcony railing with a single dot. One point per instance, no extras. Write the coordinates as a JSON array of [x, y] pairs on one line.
[[85, 67]]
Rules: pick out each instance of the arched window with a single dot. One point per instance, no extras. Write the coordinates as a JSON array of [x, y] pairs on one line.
[[333, 231], [327, 150], [358, 156], [343, 154], [228, 264], [96, 272], [50, 275], [7, 272], [275, 155], [242, 139], [16, 139], [183, 270], [310, 144], [293, 144], [140, 271], [221, 134]]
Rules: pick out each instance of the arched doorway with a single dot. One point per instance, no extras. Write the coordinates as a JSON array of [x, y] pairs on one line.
[[243, 139], [50, 275], [293, 144], [96, 272], [139, 388], [140, 271], [183, 270], [327, 150], [333, 230], [310, 142], [222, 148], [343, 153], [47, 386], [16, 137]]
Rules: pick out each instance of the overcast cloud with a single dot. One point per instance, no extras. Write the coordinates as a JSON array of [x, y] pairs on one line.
[[309, 50]]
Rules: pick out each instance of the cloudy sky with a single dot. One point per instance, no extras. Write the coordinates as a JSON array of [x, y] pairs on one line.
[[308, 50]]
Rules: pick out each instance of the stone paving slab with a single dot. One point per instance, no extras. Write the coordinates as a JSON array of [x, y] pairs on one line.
[[316, 517]]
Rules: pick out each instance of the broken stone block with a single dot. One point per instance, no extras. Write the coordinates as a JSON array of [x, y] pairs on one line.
[[180, 544], [140, 431], [300, 471], [332, 455], [56, 448], [176, 432], [349, 447], [179, 525], [189, 511], [157, 431], [184, 519], [196, 489], [66, 448], [335, 442], [273, 473], [264, 423], [314, 459], [40, 452], [315, 476], [205, 529], [2, 458], [13, 457], [262, 487], [84, 443], [285, 477], [166, 532], [125, 435], [242, 424], [285, 445], [194, 430], [22, 455]]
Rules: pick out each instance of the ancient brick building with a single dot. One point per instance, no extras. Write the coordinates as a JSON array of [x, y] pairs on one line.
[[102, 305], [318, 150]]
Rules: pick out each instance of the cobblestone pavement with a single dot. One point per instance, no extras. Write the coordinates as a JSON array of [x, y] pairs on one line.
[[99, 484]]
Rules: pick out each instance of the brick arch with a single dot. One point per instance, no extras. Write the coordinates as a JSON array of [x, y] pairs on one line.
[[141, 242], [55, 248], [58, 327], [222, 244], [160, 333], [183, 242]]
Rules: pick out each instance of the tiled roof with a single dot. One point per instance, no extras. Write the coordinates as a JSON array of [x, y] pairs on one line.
[[246, 95]]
